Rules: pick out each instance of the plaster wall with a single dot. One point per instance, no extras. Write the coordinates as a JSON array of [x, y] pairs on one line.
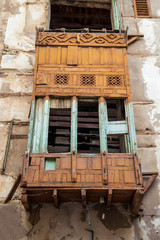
[[17, 36]]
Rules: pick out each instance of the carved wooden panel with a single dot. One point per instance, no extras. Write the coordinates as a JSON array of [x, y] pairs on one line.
[[81, 39]]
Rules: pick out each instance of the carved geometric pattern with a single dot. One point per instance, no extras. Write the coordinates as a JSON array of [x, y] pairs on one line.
[[61, 79], [114, 80], [45, 38], [42, 78], [87, 80]]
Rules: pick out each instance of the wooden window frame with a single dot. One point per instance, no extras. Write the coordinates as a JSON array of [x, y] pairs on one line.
[[139, 16]]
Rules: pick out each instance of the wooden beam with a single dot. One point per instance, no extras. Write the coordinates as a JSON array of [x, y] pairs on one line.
[[83, 196], [55, 197], [109, 198], [149, 182], [133, 38], [13, 189]]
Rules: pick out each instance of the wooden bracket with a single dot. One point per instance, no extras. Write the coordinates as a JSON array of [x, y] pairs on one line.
[[83, 196], [25, 201], [133, 38], [109, 198], [74, 167], [137, 200], [152, 176], [13, 189], [104, 168], [55, 197]]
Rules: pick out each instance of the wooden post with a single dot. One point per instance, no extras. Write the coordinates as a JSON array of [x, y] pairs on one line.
[[131, 126], [116, 13], [109, 198], [31, 126], [83, 195], [44, 138], [105, 168], [74, 116], [103, 124], [74, 167], [25, 201], [38, 126], [137, 200]]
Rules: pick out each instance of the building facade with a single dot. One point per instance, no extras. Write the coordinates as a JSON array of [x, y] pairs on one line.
[[136, 23]]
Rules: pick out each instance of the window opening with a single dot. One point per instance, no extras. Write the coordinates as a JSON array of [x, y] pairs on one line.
[[116, 112], [50, 163], [75, 17], [142, 8], [88, 127], [59, 127]]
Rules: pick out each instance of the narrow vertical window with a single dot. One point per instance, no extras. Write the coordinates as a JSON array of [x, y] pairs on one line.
[[142, 8]]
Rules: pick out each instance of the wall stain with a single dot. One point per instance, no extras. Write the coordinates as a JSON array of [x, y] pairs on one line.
[[114, 219]]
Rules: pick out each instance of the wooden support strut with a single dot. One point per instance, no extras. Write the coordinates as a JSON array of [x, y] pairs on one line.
[[83, 196], [109, 198], [152, 176], [13, 189], [25, 201], [137, 200], [55, 197]]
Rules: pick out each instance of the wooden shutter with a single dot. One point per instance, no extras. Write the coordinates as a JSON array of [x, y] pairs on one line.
[[142, 8]]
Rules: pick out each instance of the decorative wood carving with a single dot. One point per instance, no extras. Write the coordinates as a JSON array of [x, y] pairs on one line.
[[116, 39]]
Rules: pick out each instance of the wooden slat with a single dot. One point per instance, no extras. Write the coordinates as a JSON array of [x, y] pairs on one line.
[[72, 56], [142, 8]]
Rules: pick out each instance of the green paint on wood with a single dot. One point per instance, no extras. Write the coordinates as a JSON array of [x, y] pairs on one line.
[[131, 125], [127, 143], [38, 126], [103, 126], [117, 127], [44, 138], [50, 164], [74, 116], [116, 14], [31, 126]]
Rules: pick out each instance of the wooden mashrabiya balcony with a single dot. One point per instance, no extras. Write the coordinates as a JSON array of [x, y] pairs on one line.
[[86, 177]]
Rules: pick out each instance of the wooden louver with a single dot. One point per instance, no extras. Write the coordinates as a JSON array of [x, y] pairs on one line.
[[142, 8]]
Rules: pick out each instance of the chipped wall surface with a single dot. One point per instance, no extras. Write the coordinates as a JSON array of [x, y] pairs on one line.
[[17, 52]]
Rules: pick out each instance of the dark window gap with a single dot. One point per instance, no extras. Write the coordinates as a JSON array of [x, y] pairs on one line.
[[88, 127], [59, 130], [73, 17]]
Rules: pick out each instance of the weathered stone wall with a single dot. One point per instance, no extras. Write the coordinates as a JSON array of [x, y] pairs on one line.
[[17, 36]]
